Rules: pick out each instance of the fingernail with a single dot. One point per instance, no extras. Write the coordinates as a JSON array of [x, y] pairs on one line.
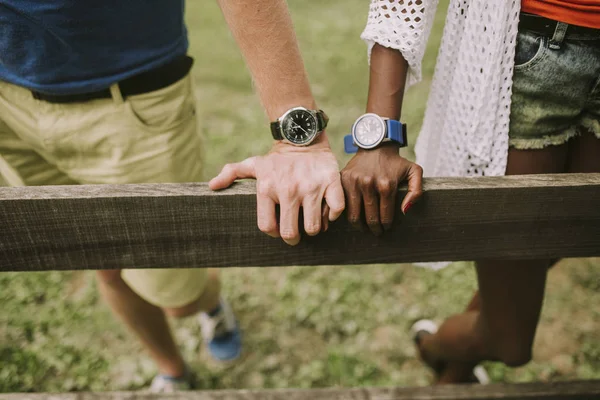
[[407, 207]]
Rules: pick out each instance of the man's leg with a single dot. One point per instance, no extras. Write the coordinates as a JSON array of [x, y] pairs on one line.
[[154, 138], [114, 143], [147, 321], [208, 300], [24, 160]]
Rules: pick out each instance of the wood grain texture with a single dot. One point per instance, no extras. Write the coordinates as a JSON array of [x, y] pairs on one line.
[[581, 390], [187, 225]]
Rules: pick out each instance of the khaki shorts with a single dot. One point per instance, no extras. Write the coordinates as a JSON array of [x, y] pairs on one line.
[[147, 138]]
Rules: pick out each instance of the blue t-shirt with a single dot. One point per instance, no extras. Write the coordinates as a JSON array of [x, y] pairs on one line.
[[78, 46]]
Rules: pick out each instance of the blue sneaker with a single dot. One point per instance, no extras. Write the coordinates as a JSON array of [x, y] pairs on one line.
[[221, 332]]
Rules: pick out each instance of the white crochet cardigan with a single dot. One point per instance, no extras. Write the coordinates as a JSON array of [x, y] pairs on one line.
[[465, 129]]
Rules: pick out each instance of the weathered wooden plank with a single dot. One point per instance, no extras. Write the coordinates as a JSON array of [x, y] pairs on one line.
[[587, 390], [187, 225]]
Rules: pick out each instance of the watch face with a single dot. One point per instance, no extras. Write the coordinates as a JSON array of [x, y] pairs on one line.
[[299, 126], [368, 131]]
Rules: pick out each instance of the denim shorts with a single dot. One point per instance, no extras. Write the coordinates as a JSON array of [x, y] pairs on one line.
[[556, 87]]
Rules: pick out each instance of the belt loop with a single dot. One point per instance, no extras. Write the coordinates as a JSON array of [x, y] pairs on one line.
[[559, 35], [116, 94]]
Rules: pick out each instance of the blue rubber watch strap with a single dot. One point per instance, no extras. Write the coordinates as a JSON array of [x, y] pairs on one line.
[[349, 146], [397, 132]]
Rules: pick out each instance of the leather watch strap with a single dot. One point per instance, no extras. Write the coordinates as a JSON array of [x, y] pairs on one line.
[[276, 130], [322, 120]]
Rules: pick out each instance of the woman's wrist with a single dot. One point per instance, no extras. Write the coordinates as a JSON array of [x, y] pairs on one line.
[[389, 148]]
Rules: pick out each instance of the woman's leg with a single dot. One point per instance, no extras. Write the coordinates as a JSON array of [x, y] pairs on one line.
[[584, 154], [512, 343], [501, 321]]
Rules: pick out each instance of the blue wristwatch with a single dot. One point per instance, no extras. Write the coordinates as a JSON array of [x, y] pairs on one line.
[[370, 130]]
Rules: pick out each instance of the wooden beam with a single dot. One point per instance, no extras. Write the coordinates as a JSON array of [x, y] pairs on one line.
[[187, 225], [543, 391]]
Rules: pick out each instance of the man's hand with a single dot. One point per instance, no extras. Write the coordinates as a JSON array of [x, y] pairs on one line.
[[292, 177], [371, 181], [289, 176]]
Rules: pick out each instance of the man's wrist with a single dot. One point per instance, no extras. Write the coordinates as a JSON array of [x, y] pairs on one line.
[[275, 111], [321, 142]]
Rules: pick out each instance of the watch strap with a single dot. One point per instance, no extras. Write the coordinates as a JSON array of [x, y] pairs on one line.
[[349, 146], [396, 131], [276, 130], [322, 120]]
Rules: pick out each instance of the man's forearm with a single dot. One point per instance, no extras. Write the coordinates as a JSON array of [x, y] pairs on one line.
[[386, 83], [264, 32]]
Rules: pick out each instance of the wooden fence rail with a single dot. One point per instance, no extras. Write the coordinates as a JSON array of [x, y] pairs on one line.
[[187, 225], [583, 390]]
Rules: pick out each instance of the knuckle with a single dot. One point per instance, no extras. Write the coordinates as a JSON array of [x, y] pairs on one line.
[[370, 202], [263, 187], [347, 182], [354, 176], [337, 208], [291, 190], [366, 181], [312, 229], [310, 187], [267, 226], [346, 176], [288, 234], [333, 176], [384, 186], [372, 222], [353, 219]]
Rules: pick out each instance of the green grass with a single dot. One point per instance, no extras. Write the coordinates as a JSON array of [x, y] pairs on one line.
[[303, 327], [232, 119]]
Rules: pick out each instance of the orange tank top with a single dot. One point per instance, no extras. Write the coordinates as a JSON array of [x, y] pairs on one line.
[[577, 12]]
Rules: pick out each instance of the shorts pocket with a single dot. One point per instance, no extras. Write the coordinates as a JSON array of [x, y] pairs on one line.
[[163, 110], [531, 49]]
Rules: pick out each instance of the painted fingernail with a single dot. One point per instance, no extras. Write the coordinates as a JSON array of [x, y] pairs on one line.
[[407, 207]]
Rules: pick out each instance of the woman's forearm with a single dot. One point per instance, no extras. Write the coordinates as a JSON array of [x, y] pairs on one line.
[[386, 82]]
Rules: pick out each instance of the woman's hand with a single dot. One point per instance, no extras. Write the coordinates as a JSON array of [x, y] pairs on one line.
[[371, 181]]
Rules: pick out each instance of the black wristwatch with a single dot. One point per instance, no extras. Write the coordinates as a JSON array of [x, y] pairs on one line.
[[299, 126]]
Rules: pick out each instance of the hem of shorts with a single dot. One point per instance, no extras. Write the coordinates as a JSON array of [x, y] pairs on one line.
[[592, 126], [543, 142], [160, 301]]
